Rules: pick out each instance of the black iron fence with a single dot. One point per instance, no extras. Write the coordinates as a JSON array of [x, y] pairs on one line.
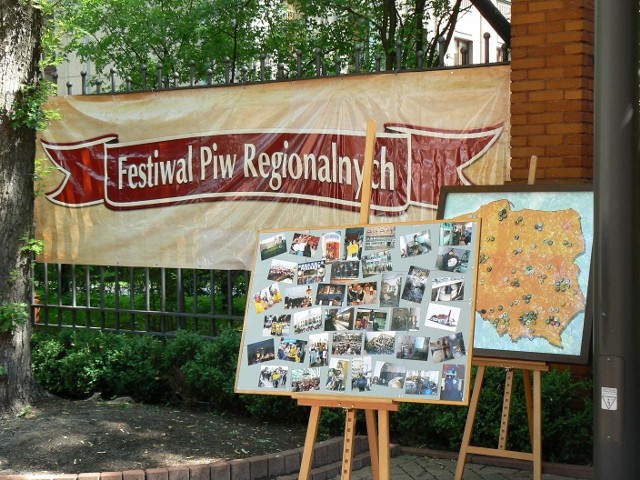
[[158, 301], [262, 71]]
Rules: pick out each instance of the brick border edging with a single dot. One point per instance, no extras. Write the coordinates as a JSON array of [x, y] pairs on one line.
[[285, 465], [270, 466]]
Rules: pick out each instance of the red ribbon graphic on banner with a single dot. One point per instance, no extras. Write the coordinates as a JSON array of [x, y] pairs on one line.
[[411, 164]]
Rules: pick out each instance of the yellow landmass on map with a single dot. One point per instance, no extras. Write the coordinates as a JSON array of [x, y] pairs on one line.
[[527, 279]]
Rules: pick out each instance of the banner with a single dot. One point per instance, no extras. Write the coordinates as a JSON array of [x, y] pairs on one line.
[[185, 178]]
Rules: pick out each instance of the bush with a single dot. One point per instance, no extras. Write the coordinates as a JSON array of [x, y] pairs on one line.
[[566, 407], [76, 364], [211, 374]]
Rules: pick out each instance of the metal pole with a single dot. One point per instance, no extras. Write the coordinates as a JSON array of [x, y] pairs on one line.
[[616, 252]]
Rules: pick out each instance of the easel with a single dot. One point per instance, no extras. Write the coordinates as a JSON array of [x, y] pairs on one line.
[[378, 434], [533, 400], [534, 413], [378, 442]]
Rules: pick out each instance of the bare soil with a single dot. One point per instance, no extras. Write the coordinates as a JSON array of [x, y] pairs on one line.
[[62, 436]]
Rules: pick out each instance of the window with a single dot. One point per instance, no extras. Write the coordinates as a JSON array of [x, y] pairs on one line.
[[464, 52]]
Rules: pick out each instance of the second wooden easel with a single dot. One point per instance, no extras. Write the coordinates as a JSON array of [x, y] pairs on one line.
[[534, 413], [533, 401]]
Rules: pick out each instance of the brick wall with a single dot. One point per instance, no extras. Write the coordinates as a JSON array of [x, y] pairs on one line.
[[552, 89]]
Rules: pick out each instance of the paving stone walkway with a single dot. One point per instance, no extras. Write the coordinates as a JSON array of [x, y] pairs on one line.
[[414, 467]]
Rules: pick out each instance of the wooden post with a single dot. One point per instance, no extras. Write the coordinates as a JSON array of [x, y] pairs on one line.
[[370, 142], [533, 165]]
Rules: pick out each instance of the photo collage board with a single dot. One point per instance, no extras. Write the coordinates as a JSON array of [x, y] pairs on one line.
[[383, 310]]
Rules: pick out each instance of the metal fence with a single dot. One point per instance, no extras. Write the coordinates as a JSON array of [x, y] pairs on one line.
[[158, 301], [261, 71]]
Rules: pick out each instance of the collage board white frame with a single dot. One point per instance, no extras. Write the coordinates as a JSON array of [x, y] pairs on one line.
[[328, 307]]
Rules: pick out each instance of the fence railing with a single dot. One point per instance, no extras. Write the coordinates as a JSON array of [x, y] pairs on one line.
[[157, 301], [262, 71]]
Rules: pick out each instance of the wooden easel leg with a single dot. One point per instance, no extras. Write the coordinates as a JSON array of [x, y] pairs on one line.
[[309, 443], [385, 454], [347, 448], [506, 410], [528, 395], [468, 428], [537, 425], [372, 434]]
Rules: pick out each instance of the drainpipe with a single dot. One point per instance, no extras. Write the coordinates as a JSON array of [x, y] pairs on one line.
[[616, 249]]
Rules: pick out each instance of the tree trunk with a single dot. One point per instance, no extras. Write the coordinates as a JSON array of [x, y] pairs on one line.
[[20, 27]]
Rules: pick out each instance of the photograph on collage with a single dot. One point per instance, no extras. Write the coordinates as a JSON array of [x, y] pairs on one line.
[[307, 320], [362, 293], [447, 289], [390, 289], [376, 263], [272, 246], [415, 284], [259, 352], [414, 244], [267, 298], [457, 345], [273, 377], [311, 272], [379, 237], [305, 379], [441, 349], [304, 245], [361, 374], [276, 325], [292, 350], [281, 271], [318, 349], [299, 296], [403, 318], [455, 233], [331, 247], [379, 343], [422, 382], [330, 294], [452, 387], [345, 271], [389, 375], [412, 347], [346, 343], [337, 375], [370, 320], [353, 243], [452, 259], [442, 316], [339, 319]]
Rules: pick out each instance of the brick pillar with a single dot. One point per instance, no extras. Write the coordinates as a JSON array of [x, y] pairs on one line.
[[552, 48]]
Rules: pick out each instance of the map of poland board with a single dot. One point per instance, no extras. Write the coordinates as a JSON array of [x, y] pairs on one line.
[[532, 273]]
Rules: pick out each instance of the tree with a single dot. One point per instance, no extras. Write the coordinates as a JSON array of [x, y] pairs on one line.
[[172, 33], [380, 26], [20, 94], [234, 34]]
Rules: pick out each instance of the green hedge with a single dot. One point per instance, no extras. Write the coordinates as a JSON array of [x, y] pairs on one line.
[[191, 370]]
